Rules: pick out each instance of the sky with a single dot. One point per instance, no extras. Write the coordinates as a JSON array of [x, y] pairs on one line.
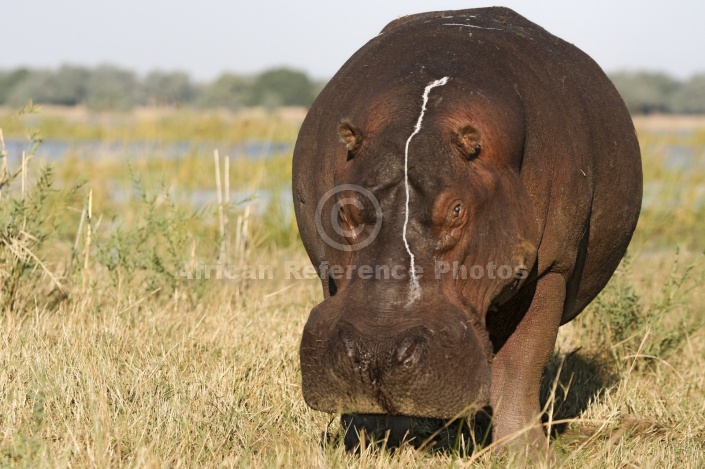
[[209, 37]]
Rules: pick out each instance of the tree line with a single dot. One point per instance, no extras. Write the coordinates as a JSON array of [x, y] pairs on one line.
[[648, 93], [113, 88]]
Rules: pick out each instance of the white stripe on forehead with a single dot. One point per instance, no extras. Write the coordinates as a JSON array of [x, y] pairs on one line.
[[415, 288]]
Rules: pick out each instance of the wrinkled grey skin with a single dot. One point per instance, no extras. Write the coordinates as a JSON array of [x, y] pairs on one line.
[[526, 157]]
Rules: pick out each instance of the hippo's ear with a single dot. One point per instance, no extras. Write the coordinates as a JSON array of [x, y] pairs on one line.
[[350, 135], [468, 140]]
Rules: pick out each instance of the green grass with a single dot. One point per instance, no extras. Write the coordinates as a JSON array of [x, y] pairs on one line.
[[129, 364]]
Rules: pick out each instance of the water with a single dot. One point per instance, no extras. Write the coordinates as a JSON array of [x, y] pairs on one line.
[[259, 201], [56, 150], [680, 158]]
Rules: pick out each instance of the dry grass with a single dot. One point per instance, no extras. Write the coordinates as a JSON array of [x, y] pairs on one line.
[[131, 373], [157, 124]]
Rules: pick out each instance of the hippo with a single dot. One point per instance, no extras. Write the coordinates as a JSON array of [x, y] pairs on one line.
[[464, 185]]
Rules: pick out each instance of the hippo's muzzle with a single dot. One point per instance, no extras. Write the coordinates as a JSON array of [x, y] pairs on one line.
[[426, 362]]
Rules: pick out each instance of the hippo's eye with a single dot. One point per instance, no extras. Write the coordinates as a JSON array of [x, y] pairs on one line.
[[456, 215]]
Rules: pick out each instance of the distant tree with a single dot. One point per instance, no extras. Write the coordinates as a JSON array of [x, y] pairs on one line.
[[282, 87], [33, 85], [646, 92], [228, 91], [65, 87], [68, 86], [111, 88], [10, 80], [690, 97], [168, 89]]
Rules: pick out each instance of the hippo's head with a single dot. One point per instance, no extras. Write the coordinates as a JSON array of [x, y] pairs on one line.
[[427, 227]]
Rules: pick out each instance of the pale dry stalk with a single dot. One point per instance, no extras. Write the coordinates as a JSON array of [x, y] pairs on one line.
[[226, 200], [3, 157], [221, 218], [86, 262]]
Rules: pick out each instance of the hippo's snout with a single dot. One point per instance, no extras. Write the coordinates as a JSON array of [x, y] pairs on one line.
[[376, 356], [425, 365]]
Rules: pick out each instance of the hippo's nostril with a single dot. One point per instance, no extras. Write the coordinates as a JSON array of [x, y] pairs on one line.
[[409, 351], [348, 344], [351, 349]]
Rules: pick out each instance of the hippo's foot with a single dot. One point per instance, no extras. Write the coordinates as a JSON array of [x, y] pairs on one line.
[[529, 449]]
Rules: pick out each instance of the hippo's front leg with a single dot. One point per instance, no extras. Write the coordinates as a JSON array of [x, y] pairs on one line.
[[518, 366]]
